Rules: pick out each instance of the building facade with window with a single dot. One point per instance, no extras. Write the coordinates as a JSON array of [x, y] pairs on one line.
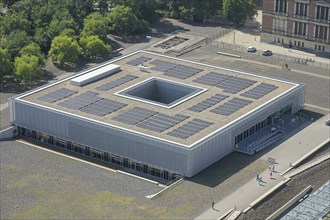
[[303, 24], [173, 117]]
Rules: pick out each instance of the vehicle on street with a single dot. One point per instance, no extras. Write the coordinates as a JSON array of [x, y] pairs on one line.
[[251, 49], [267, 53]]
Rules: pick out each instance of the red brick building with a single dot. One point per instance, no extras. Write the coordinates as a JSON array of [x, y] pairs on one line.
[[297, 23]]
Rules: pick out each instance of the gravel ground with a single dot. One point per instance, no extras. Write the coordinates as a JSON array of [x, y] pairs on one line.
[[315, 176], [37, 184], [4, 118]]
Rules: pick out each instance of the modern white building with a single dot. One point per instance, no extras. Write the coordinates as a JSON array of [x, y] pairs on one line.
[[173, 117]]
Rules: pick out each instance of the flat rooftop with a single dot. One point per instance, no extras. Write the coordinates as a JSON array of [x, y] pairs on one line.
[[167, 98]]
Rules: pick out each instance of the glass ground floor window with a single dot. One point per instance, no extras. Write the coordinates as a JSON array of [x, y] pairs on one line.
[[271, 119], [100, 155]]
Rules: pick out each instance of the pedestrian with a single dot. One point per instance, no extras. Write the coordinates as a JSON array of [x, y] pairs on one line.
[[273, 168], [286, 66], [257, 176], [269, 167], [212, 205], [270, 174]]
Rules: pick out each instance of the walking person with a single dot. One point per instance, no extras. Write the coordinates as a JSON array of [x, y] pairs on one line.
[[270, 174], [257, 176], [213, 205]]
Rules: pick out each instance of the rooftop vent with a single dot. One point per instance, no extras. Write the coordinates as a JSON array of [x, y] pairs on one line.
[[95, 75]]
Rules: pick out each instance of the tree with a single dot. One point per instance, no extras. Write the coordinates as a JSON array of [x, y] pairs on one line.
[[6, 66], [69, 32], [33, 49], [64, 49], [195, 9], [16, 21], [42, 38], [124, 22], [26, 67], [143, 9], [95, 24], [93, 46], [15, 41], [238, 11]]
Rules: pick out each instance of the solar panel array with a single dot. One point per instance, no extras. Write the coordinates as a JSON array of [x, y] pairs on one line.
[[134, 115], [231, 106], [102, 107], [213, 100], [259, 91], [57, 95], [212, 78], [138, 60], [116, 83], [162, 66], [161, 122], [235, 84], [81, 100], [190, 128], [182, 72]]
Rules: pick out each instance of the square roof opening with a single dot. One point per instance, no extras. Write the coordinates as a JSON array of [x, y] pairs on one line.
[[161, 92]]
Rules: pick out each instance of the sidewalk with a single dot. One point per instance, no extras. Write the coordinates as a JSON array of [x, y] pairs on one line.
[[287, 152]]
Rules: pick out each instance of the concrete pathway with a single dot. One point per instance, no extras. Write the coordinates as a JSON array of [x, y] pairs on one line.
[[285, 154]]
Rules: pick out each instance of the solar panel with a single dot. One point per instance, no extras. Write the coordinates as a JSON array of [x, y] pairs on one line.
[[134, 115], [116, 83], [213, 100], [138, 60], [192, 127], [81, 100], [235, 84], [161, 122], [162, 66], [182, 72], [212, 78], [57, 95], [231, 106], [259, 91], [103, 107]]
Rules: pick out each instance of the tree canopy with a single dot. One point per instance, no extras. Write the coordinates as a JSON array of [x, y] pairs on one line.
[[123, 21], [54, 26], [93, 46], [95, 24], [64, 50], [238, 11], [32, 49], [27, 67], [143, 9], [15, 41], [6, 66]]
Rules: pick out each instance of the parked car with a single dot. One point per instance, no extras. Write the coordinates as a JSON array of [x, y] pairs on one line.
[[267, 53], [251, 49]]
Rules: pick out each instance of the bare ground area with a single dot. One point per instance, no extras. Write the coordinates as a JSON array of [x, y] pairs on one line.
[[37, 184]]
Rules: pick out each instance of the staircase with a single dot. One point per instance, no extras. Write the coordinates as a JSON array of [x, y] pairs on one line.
[[261, 143]]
